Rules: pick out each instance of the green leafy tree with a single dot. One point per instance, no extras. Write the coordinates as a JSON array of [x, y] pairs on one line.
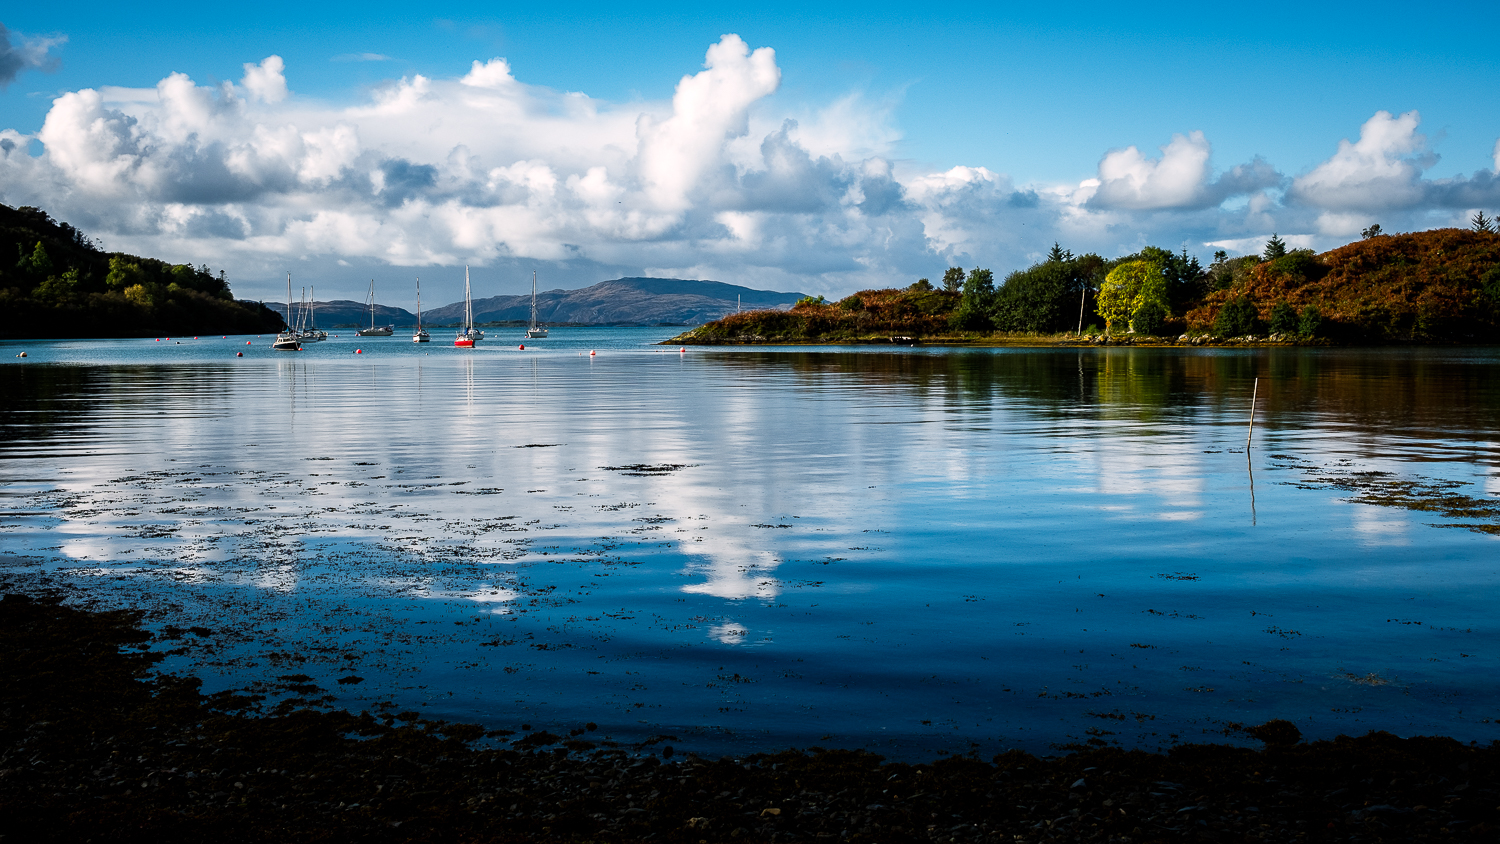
[[60, 290], [38, 265], [124, 273], [1481, 223], [953, 279], [1275, 248], [920, 284], [1372, 232], [1127, 288], [1149, 316], [1284, 318], [973, 311], [1236, 318], [1310, 321]]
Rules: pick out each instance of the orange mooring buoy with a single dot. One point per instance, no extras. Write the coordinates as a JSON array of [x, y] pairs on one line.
[[592, 353]]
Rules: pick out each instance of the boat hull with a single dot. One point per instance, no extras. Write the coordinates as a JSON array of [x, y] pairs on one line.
[[536, 334], [375, 332], [421, 337]]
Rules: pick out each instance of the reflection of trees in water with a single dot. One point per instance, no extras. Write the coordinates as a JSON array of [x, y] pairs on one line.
[[59, 401], [1372, 390]]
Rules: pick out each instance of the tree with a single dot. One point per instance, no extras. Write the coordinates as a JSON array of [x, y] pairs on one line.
[[920, 284], [1372, 232], [953, 278], [1220, 256], [1236, 318], [1275, 247], [1283, 318], [1481, 223], [1058, 254], [1311, 318], [1127, 288], [973, 311], [38, 264]]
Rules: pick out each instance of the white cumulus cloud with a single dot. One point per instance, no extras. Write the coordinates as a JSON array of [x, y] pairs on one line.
[[720, 181]]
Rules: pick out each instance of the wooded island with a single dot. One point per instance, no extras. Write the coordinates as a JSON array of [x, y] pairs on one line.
[[1439, 286]]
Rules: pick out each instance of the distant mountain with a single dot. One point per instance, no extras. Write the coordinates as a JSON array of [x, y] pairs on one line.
[[623, 301], [342, 312]]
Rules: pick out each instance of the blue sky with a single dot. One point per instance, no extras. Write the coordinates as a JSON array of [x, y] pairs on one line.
[[1029, 100]]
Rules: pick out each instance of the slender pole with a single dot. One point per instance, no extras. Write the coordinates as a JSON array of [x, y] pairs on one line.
[[1082, 295], [1250, 432]]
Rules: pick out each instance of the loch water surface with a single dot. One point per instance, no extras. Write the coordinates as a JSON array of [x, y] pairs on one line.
[[914, 551]]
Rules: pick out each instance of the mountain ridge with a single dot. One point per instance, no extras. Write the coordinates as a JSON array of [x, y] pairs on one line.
[[636, 300]]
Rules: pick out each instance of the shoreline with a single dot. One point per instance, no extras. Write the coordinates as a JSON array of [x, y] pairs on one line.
[[94, 744]]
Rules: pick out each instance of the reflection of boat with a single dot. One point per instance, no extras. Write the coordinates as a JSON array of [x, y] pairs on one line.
[[534, 332], [470, 336], [310, 333], [420, 336], [372, 331], [288, 340]]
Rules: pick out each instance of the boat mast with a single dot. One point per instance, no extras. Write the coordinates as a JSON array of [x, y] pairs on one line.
[[468, 304], [288, 300], [533, 300], [419, 304], [372, 304]]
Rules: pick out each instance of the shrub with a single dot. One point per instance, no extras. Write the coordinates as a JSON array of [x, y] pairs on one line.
[[1237, 318], [809, 302], [1148, 317], [1283, 319], [920, 284], [852, 302], [1308, 323]]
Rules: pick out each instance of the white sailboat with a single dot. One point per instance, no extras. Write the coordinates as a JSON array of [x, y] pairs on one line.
[[535, 332], [470, 336], [288, 340], [420, 336], [310, 332], [372, 331]]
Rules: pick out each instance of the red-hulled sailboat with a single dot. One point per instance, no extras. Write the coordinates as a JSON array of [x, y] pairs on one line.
[[470, 336]]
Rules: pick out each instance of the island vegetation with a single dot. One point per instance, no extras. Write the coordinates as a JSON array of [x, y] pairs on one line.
[[1438, 286], [56, 282]]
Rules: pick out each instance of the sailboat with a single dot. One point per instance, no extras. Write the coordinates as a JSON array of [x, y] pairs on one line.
[[470, 336], [372, 331], [289, 340], [420, 336], [535, 332], [310, 333]]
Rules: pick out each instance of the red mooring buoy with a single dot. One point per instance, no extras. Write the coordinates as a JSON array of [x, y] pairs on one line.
[[239, 354], [592, 353], [523, 347], [359, 351]]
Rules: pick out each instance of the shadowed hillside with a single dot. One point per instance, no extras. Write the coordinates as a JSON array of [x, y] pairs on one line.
[[54, 282]]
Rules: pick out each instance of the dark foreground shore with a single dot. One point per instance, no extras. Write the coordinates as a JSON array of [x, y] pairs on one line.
[[94, 746]]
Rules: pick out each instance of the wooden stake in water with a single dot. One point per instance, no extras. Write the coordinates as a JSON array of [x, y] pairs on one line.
[[1250, 432]]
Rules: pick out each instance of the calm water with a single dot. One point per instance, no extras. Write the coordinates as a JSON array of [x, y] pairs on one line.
[[914, 551]]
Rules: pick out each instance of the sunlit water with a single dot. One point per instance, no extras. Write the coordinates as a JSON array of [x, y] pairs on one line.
[[914, 551]]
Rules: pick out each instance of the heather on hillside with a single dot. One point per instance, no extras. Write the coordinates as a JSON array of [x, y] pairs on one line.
[[1433, 286], [1440, 285], [54, 282]]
